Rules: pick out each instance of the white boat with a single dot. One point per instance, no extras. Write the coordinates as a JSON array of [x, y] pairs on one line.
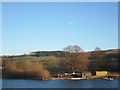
[[110, 78], [75, 78]]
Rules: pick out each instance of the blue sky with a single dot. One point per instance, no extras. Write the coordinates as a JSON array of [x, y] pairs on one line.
[[51, 26]]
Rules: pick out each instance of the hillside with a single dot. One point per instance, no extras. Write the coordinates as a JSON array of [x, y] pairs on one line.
[[60, 53], [54, 60]]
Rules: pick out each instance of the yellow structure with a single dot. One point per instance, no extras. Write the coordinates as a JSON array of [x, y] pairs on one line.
[[101, 73]]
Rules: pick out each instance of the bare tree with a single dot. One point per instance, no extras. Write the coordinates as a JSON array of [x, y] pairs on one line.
[[68, 49], [73, 49], [97, 49], [77, 49], [75, 59]]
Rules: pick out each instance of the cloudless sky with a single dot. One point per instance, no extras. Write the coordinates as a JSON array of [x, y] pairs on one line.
[[29, 26]]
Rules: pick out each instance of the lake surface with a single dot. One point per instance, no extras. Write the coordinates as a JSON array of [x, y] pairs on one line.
[[7, 83]]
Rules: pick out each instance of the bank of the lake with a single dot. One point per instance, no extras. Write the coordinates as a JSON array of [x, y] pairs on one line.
[[92, 83]]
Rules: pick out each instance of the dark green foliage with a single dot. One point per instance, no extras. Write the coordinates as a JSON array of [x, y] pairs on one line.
[[47, 53], [103, 61]]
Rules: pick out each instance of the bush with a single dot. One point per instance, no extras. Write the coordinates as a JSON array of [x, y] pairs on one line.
[[9, 66], [40, 74], [34, 74], [27, 65], [25, 70]]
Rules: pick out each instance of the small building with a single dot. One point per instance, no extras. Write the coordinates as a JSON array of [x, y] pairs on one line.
[[101, 73], [86, 74]]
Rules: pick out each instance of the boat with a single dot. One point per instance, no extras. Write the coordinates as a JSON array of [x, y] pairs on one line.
[[110, 78], [75, 78]]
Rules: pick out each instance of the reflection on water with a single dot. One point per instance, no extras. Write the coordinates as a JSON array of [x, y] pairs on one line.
[[59, 84]]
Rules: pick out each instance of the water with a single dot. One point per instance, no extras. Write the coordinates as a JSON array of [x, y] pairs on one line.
[[59, 84]]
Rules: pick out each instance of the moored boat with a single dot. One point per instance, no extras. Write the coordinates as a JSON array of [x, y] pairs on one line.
[[75, 78], [107, 78], [110, 78]]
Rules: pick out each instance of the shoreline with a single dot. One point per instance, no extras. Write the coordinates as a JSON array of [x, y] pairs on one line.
[[60, 79], [93, 77], [80, 79], [114, 76]]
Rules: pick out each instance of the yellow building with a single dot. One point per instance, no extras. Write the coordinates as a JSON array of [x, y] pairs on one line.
[[101, 73]]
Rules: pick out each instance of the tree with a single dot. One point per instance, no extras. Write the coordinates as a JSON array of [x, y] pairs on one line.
[[77, 49], [99, 59], [68, 49], [75, 59], [73, 49], [97, 49]]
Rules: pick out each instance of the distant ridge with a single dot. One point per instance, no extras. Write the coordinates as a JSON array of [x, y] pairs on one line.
[[110, 51], [60, 53]]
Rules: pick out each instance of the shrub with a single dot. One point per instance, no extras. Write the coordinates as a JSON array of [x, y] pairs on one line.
[[27, 65], [25, 70], [9, 66], [40, 74]]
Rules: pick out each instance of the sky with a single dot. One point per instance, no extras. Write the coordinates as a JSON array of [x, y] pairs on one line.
[[51, 26]]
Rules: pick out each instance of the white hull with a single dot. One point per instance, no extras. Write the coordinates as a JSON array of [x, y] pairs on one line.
[[75, 78]]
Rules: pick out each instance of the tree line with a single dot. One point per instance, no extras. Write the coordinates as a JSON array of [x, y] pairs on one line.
[[77, 60]]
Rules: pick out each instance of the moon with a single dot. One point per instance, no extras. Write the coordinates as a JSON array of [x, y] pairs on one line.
[[70, 23]]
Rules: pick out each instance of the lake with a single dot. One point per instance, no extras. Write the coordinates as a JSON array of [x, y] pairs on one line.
[[8, 83]]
